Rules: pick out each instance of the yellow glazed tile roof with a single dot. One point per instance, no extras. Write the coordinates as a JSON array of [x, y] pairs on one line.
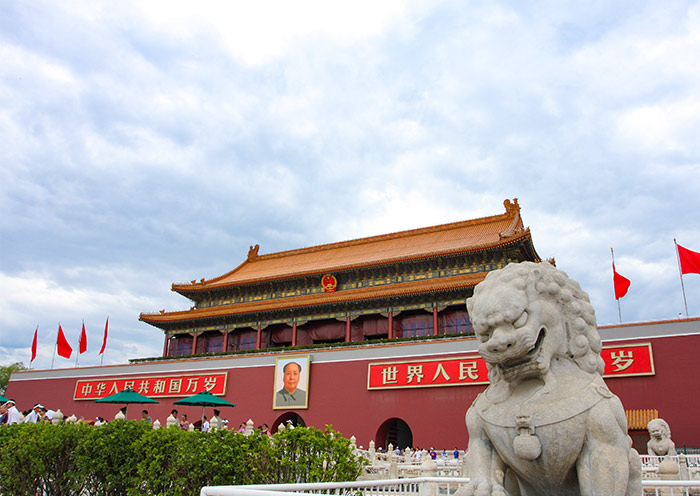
[[470, 235]]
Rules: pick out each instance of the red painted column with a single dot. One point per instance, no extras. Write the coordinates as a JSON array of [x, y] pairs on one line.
[[258, 339], [391, 325], [294, 333], [194, 343], [225, 345], [348, 336], [435, 321], [165, 345]]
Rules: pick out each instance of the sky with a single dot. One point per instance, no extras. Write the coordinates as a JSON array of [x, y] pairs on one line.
[[148, 143]]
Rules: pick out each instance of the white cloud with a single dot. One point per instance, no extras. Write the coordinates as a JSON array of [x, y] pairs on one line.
[[153, 142]]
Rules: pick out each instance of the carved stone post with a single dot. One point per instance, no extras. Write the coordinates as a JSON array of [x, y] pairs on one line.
[[170, 421], [668, 470], [393, 465], [249, 427], [281, 428], [683, 462], [429, 469], [156, 425], [372, 453]]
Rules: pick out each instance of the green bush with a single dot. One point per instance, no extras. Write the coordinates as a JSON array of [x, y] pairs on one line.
[[108, 455], [41, 457], [130, 458]]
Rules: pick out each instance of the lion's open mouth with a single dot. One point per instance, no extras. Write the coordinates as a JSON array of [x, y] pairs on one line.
[[527, 358]]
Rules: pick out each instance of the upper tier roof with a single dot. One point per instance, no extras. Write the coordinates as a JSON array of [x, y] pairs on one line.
[[457, 237]]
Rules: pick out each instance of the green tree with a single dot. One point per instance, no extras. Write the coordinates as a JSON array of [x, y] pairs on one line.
[[6, 372]]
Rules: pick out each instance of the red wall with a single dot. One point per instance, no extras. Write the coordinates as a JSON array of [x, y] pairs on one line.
[[338, 395]]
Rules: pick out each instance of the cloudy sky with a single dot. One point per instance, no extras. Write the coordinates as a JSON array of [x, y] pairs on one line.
[[146, 143]]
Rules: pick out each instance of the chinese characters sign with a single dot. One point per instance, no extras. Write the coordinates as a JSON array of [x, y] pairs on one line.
[[630, 360], [153, 387], [620, 361], [426, 373]]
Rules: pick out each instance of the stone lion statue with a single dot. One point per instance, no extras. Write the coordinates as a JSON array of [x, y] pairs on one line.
[[660, 443], [547, 424]]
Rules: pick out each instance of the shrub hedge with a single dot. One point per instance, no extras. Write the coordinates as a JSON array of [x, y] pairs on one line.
[[130, 458]]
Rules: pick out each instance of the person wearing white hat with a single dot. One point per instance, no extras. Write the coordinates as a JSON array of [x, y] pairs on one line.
[[35, 415], [13, 416]]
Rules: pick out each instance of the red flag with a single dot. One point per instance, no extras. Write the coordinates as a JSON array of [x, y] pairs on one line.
[[83, 341], [104, 340], [36, 333], [622, 284], [690, 260], [64, 348]]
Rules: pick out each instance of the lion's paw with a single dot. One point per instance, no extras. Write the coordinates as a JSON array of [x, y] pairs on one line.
[[482, 488]]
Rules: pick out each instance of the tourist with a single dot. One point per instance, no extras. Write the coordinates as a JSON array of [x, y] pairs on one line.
[[172, 420], [216, 422], [13, 415], [145, 417], [241, 428], [35, 415], [205, 424], [99, 421], [266, 430], [184, 423]]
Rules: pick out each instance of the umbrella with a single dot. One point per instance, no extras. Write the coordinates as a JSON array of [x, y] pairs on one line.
[[3, 399], [127, 396], [204, 399]]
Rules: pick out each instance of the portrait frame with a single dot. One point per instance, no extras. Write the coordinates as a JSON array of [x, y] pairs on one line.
[[281, 398]]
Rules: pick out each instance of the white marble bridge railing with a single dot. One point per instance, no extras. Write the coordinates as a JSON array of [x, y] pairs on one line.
[[421, 486], [409, 464], [688, 466]]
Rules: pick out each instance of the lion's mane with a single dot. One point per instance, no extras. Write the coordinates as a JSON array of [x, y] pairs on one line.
[[543, 280]]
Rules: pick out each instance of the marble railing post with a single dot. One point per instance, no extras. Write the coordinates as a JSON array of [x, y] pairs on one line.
[[249, 427], [683, 463], [429, 469]]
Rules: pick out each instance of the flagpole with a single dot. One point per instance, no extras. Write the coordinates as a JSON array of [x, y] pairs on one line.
[[77, 355], [619, 311], [680, 274], [55, 346]]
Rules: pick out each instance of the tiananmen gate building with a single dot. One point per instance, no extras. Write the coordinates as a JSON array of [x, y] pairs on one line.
[[379, 331]]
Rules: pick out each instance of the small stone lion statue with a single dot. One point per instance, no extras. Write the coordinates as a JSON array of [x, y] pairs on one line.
[[547, 424], [660, 443]]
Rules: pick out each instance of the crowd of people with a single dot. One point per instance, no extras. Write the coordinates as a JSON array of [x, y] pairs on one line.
[[9, 414]]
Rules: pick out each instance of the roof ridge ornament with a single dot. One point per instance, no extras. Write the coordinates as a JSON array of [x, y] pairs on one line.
[[253, 253], [511, 207], [516, 226]]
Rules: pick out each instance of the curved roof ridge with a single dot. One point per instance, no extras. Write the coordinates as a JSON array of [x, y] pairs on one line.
[[394, 235]]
